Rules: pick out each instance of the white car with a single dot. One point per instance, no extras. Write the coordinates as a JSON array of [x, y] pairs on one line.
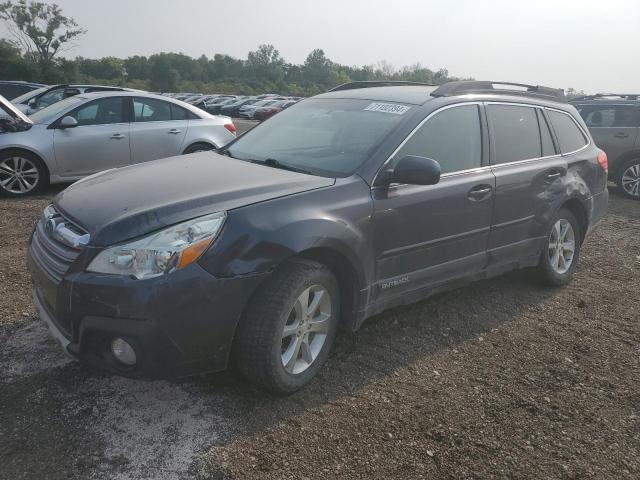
[[91, 132]]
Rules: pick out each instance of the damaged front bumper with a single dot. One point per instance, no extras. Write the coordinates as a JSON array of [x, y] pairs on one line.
[[179, 324]]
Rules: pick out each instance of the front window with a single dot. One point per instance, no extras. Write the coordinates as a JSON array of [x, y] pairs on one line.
[[101, 112], [329, 137], [452, 137]]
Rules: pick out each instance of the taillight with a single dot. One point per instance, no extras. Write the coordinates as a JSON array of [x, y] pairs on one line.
[[232, 128], [603, 161]]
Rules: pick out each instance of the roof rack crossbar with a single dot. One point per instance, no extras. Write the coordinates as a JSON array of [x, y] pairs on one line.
[[377, 83], [481, 86]]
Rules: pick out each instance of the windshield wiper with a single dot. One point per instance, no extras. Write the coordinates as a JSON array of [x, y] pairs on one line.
[[272, 162]]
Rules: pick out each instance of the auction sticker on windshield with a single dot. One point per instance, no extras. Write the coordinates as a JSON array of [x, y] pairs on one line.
[[387, 108]]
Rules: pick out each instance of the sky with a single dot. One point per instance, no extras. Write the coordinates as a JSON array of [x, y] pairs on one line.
[[589, 45]]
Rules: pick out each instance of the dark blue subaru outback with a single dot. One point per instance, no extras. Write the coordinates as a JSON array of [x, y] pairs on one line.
[[344, 205]]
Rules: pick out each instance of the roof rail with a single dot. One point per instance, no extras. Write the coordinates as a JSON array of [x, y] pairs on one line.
[[478, 86], [625, 96], [377, 83]]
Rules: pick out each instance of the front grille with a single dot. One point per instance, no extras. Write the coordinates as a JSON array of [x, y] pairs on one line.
[[49, 251]]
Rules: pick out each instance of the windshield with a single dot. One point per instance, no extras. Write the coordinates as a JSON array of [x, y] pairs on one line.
[[25, 97], [328, 137], [51, 112]]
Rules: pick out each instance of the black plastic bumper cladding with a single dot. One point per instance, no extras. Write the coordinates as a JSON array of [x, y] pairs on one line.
[[178, 324]]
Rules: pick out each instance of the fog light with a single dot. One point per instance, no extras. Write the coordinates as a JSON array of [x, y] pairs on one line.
[[123, 352]]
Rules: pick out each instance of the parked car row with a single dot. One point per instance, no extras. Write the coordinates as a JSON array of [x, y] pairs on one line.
[[258, 107]]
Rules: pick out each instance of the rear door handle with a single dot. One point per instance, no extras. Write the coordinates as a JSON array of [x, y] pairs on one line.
[[117, 136], [621, 135], [551, 176], [480, 193], [174, 131]]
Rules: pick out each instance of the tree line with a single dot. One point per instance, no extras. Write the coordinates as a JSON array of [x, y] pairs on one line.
[[264, 70]]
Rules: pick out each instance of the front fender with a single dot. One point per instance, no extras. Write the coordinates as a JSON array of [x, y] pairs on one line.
[[257, 238]]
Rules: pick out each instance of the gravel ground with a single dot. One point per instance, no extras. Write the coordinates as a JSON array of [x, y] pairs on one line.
[[501, 379]]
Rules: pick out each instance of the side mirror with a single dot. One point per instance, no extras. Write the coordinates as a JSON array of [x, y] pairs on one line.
[[68, 122], [414, 170], [33, 103]]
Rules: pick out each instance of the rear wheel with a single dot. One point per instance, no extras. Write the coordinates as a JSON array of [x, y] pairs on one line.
[[287, 331], [199, 147], [560, 256], [21, 173], [628, 178]]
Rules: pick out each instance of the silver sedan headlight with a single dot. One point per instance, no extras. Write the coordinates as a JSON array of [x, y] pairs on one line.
[[161, 252]]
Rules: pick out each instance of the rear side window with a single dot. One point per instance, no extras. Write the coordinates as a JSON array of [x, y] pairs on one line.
[[609, 116], [516, 133], [452, 137], [151, 110], [179, 113], [569, 134]]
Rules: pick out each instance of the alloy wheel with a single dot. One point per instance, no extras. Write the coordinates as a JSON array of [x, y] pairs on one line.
[[631, 180], [306, 329], [18, 175], [562, 245]]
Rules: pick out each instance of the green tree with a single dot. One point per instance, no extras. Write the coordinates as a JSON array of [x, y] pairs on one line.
[[266, 64], [317, 67], [40, 30], [13, 65], [107, 68], [164, 76]]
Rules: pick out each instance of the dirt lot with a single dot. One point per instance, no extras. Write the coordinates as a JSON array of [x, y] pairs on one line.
[[502, 379]]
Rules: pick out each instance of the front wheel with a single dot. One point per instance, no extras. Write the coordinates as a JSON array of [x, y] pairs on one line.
[[21, 173], [287, 331], [559, 257], [628, 179]]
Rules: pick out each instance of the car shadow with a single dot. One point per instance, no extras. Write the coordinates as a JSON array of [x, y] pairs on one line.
[[395, 339]]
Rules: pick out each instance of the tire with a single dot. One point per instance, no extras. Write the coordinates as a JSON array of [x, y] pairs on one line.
[[21, 173], [557, 263], [628, 178], [198, 147], [264, 354]]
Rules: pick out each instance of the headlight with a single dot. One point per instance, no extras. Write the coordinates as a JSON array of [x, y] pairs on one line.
[[162, 252]]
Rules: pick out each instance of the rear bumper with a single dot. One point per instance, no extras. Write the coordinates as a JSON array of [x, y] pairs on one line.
[[179, 324]]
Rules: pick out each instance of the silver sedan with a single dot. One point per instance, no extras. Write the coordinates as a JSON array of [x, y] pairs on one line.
[[88, 133]]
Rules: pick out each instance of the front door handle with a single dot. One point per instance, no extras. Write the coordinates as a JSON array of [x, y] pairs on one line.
[[480, 193], [552, 176], [174, 131], [621, 135], [117, 136]]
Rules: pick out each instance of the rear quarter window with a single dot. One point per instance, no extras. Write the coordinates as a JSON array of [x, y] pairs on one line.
[[570, 136]]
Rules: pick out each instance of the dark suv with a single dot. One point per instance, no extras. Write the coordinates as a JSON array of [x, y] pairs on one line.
[[341, 206], [614, 121]]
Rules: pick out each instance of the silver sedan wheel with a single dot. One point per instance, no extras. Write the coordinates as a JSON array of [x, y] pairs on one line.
[[18, 175], [631, 180], [562, 245], [306, 329]]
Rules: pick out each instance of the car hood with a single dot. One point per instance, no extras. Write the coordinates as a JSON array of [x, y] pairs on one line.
[[127, 202], [13, 111]]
